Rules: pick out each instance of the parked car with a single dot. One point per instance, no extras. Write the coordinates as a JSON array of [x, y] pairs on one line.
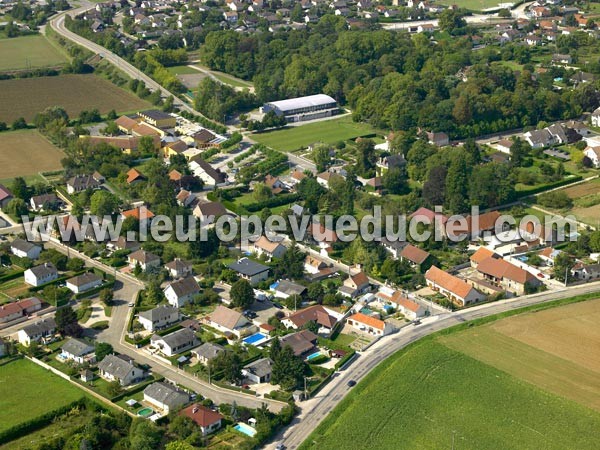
[[280, 447], [277, 305], [351, 383]]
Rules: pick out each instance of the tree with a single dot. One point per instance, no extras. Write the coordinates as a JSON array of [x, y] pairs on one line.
[[106, 296], [292, 263], [146, 145], [66, 322], [451, 20], [17, 208], [262, 192], [230, 364], [292, 302], [144, 435], [104, 203], [102, 349], [182, 427], [563, 263], [287, 370], [365, 162], [20, 189], [19, 124], [56, 296], [75, 264], [315, 291], [320, 156], [180, 445], [519, 150], [457, 182], [394, 180], [242, 294], [434, 188]]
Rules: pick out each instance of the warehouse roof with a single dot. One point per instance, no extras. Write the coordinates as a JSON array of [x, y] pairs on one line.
[[302, 102]]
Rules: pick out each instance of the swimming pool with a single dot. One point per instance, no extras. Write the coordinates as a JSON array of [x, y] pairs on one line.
[[313, 356], [366, 311], [522, 258], [246, 429], [256, 339], [145, 412]]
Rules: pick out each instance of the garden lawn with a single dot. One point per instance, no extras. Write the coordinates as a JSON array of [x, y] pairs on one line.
[[429, 393], [328, 131], [29, 391]]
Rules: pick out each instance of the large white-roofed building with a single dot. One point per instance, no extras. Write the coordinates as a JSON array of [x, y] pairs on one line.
[[303, 108]]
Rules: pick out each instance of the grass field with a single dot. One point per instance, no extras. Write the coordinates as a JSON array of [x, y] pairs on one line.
[[28, 52], [473, 5], [13, 288], [328, 131], [530, 381], [28, 96], [183, 70], [26, 152], [586, 199], [29, 391]]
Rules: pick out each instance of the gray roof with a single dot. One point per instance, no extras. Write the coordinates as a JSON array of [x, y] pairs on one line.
[[44, 199], [77, 347], [43, 270], [159, 313], [115, 366], [185, 287], [22, 245], [226, 317], [177, 338], [82, 280], [260, 367], [289, 288], [155, 114], [208, 350], [144, 257], [179, 265], [41, 327], [80, 182], [302, 102], [166, 394], [248, 267], [540, 136], [300, 342]]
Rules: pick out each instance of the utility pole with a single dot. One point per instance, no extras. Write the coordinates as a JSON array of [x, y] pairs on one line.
[[305, 396], [566, 275]]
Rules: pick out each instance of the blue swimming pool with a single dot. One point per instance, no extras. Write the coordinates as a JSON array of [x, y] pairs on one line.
[[246, 429], [366, 311], [313, 356], [255, 339], [522, 258]]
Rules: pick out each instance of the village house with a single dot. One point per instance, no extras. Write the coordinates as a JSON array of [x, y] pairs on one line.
[[507, 276], [595, 118], [439, 139], [42, 274], [42, 331], [325, 318], [303, 342], [286, 289], [165, 397], [174, 148], [127, 144], [185, 198], [134, 176], [407, 307], [370, 325], [123, 244], [209, 212], [208, 420], [79, 351], [456, 290], [593, 153], [80, 183], [585, 271], [174, 343], [228, 321], [125, 124], [504, 145], [84, 282], [20, 308], [25, 249], [142, 214], [45, 202], [481, 254], [145, 260], [548, 255], [207, 352], [179, 268], [275, 184], [160, 317], [121, 369], [180, 292], [355, 285], [385, 163], [263, 246], [5, 196], [313, 265], [416, 257], [258, 371], [250, 270]]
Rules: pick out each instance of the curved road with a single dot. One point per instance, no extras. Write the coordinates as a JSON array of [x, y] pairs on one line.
[[316, 409]]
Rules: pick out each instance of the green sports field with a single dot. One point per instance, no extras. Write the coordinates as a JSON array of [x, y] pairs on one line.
[[28, 52], [473, 5], [328, 131], [28, 391]]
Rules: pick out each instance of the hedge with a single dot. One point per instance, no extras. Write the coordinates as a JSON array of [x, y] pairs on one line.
[[136, 389], [273, 202], [343, 360], [146, 340], [235, 138], [546, 187], [30, 426], [81, 295], [207, 123], [58, 280], [11, 275], [319, 386]]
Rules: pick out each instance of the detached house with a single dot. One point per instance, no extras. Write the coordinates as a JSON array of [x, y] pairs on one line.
[[25, 249], [209, 212], [165, 397], [121, 369], [42, 331], [5, 196], [182, 291], [208, 420], [81, 183], [258, 371], [207, 173], [355, 285], [595, 117], [228, 321], [83, 283], [415, 256], [250, 270], [45, 202], [264, 246], [507, 276], [178, 268], [159, 317], [79, 351], [176, 342], [325, 318], [144, 259], [39, 275], [456, 290], [207, 352], [409, 308], [593, 153], [370, 325]]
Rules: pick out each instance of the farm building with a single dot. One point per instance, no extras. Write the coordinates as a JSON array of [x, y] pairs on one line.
[[303, 108]]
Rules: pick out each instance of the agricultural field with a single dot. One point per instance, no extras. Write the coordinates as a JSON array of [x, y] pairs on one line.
[[328, 131], [27, 96], [28, 391], [26, 152], [473, 5], [586, 201], [528, 381], [28, 52]]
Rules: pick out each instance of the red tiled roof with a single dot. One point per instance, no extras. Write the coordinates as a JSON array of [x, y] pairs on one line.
[[449, 282], [368, 320], [201, 415], [414, 254]]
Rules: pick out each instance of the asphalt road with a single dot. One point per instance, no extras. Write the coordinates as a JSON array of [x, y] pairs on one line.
[[316, 409]]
